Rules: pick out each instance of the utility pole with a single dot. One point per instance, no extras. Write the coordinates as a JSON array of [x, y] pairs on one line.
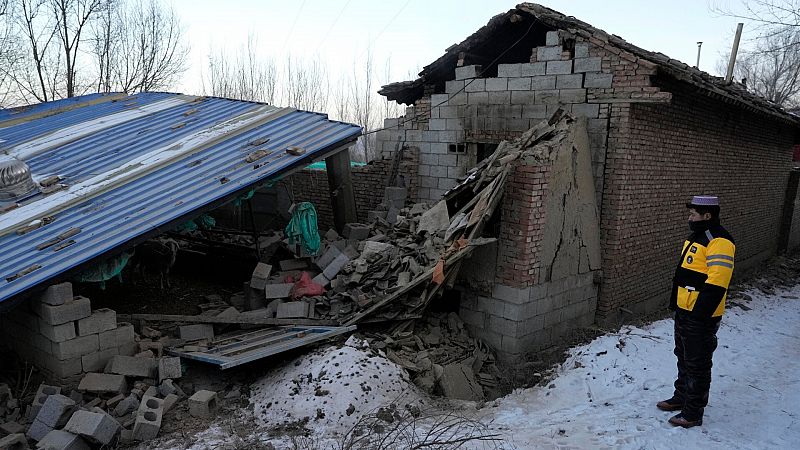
[[699, 44], [734, 50]]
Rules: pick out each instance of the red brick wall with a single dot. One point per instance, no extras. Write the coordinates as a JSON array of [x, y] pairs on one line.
[[522, 226], [661, 154], [369, 183]]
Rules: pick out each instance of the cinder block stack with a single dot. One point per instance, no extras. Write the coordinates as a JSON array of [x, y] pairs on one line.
[[63, 336]]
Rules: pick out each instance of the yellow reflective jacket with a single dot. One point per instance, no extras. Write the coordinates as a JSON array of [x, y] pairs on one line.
[[704, 273]]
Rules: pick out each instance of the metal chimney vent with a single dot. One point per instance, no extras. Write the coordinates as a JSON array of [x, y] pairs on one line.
[[15, 178]]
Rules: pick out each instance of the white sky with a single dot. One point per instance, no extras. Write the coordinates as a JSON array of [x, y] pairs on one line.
[[413, 33]]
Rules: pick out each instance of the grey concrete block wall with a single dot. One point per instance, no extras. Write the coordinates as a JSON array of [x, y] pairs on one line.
[[67, 339], [516, 99], [517, 321]]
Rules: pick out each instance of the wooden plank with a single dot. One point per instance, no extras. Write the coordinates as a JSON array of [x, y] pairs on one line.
[[224, 320]]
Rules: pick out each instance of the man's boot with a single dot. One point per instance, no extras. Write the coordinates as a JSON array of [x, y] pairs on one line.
[[671, 404], [680, 421]]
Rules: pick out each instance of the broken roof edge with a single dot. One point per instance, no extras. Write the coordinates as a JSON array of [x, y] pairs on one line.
[[409, 91], [11, 301]]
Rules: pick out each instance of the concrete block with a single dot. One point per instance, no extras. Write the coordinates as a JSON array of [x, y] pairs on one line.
[[101, 320], [290, 310], [203, 404], [458, 99], [519, 84], [126, 406], [58, 333], [594, 64], [103, 383], [478, 98], [76, 309], [169, 401], [439, 100], [281, 290], [508, 70], [582, 50], [63, 368], [95, 427], [497, 84], [549, 53], [551, 38], [534, 111], [532, 69], [573, 95], [75, 348], [14, 442], [475, 85], [38, 430], [522, 97], [558, 67], [152, 391], [132, 366], [148, 419], [437, 124], [588, 110], [168, 387], [573, 81], [169, 367], [453, 86], [548, 97], [260, 275], [61, 440], [56, 411], [466, 72], [497, 98], [334, 267], [196, 332], [56, 294], [598, 80], [42, 393], [357, 231], [320, 279]]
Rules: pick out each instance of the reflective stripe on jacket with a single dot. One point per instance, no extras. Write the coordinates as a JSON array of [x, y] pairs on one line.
[[704, 273]]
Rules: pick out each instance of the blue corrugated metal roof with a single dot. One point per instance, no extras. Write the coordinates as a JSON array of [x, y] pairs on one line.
[[137, 165]]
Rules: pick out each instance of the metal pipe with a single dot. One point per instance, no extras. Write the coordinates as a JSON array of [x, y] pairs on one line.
[[699, 44], [734, 50]]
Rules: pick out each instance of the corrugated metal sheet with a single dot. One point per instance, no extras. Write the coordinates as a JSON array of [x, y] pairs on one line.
[[138, 165]]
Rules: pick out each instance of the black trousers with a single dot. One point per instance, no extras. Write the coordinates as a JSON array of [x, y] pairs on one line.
[[695, 342]]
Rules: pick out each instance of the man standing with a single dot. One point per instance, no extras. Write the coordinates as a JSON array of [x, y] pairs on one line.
[[699, 290]]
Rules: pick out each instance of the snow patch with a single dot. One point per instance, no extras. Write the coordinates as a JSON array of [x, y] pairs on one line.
[[332, 388]]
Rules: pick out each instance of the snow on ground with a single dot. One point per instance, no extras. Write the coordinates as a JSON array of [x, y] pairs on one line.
[[605, 393], [603, 396], [332, 388]]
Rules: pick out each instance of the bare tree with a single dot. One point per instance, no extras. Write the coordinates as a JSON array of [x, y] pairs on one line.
[[769, 63], [138, 46], [244, 77], [35, 72], [7, 58], [771, 69], [305, 84], [769, 16], [72, 17]]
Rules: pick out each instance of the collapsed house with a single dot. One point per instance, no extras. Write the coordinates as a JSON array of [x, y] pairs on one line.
[[659, 131]]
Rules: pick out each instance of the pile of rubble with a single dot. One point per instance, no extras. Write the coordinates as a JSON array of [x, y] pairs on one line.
[[387, 271], [102, 411], [441, 357]]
